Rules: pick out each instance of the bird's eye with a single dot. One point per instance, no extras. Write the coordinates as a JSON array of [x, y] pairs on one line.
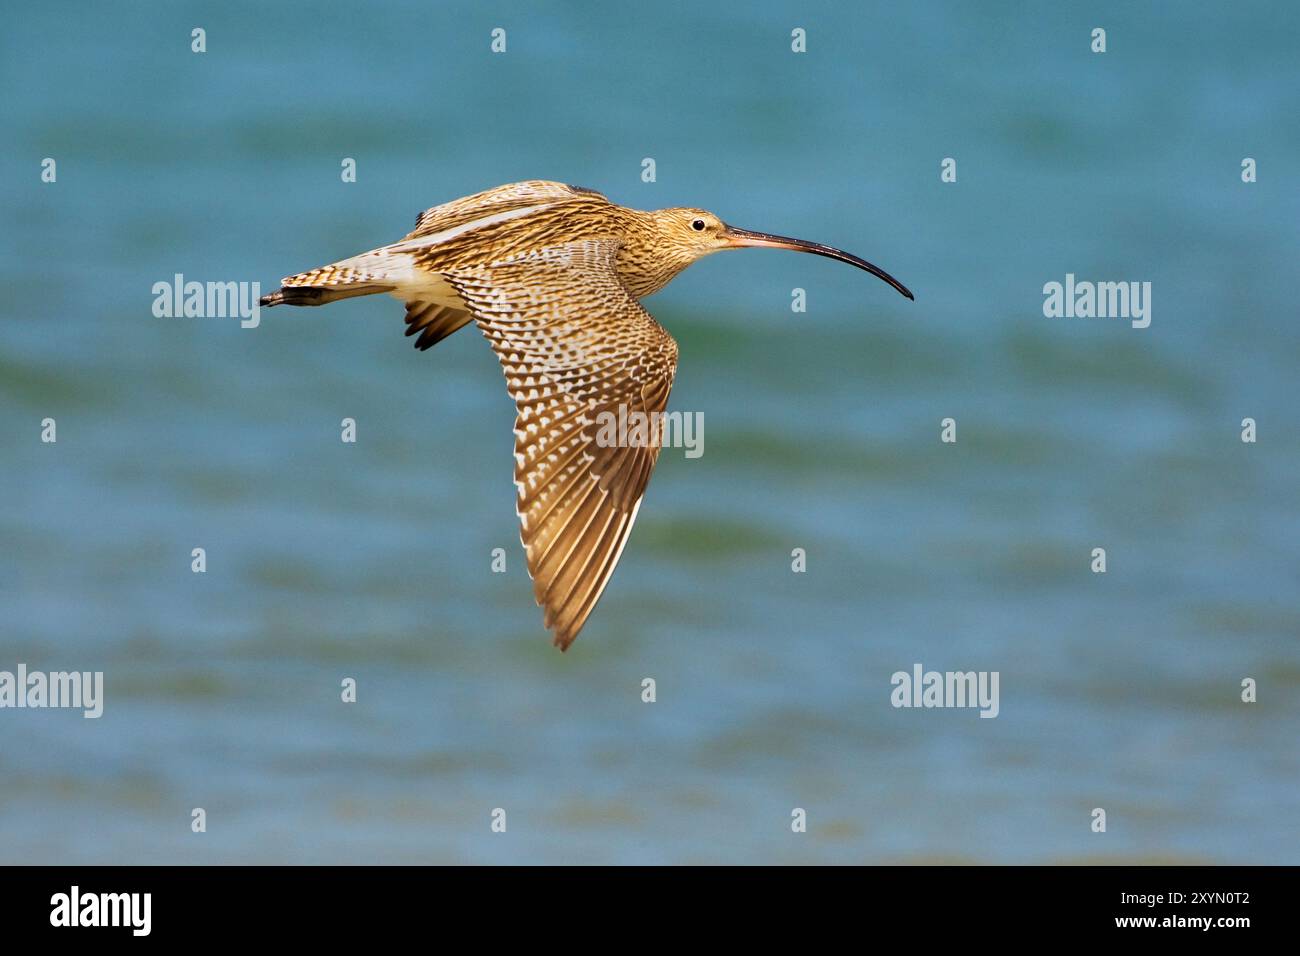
[[698, 225]]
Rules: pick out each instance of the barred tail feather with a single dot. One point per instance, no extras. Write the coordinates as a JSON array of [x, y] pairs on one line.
[[361, 275], [318, 295]]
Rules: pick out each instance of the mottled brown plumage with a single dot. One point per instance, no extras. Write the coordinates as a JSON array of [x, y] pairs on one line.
[[552, 275]]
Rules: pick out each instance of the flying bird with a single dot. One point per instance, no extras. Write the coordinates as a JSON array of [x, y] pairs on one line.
[[553, 276]]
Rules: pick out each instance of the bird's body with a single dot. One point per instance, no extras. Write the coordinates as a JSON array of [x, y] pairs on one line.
[[553, 276]]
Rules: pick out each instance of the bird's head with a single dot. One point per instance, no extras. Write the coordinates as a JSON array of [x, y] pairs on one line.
[[678, 237]]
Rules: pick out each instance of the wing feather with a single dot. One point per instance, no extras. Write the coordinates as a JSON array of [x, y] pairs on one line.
[[575, 347], [459, 212], [433, 322]]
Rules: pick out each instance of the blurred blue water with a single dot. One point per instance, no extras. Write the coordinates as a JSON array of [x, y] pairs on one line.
[[371, 560]]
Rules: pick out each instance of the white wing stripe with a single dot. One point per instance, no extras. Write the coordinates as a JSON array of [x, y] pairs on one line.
[[425, 242]]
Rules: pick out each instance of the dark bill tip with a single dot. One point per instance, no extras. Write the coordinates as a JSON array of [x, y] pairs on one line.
[[744, 238]]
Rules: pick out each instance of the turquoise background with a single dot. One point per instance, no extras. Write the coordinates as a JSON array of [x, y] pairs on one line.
[[371, 560]]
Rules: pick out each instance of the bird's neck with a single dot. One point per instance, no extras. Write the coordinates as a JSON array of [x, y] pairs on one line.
[[646, 262]]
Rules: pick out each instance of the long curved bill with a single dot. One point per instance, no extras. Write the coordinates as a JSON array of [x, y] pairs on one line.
[[744, 238]]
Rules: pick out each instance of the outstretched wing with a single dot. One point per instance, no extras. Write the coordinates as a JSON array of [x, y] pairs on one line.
[[578, 350]]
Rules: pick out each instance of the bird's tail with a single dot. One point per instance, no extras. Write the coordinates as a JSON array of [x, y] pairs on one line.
[[341, 280]]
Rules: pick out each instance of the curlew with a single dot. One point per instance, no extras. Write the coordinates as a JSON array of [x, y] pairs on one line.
[[553, 276]]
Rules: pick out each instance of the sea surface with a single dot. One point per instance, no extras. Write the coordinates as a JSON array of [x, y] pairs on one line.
[[327, 560]]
